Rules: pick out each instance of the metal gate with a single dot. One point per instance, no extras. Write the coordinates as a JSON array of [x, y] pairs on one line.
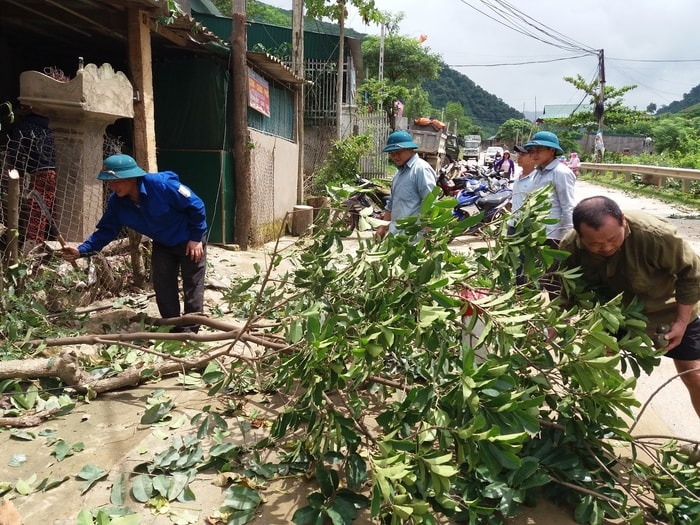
[[376, 124]]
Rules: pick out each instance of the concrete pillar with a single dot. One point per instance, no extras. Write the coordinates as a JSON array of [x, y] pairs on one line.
[[79, 111]]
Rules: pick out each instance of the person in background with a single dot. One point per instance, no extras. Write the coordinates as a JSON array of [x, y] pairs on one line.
[[523, 184], [640, 255], [574, 163], [505, 165], [544, 148], [159, 206], [30, 150], [413, 181], [522, 187]]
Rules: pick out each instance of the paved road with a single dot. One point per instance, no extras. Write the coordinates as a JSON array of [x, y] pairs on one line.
[[670, 412]]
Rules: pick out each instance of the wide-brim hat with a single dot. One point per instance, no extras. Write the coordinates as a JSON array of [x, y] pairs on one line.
[[118, 167], [399, 140], [401, 145], [546, 139]]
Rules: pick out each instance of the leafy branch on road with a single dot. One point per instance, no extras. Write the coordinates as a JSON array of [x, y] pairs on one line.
[[418, 381]]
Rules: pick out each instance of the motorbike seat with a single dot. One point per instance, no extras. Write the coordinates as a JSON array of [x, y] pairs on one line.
[[494, 199]]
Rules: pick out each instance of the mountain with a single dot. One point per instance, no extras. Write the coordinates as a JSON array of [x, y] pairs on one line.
[[689, 99], [485, 109]]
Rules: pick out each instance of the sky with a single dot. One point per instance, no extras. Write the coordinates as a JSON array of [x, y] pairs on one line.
[[654, 44]]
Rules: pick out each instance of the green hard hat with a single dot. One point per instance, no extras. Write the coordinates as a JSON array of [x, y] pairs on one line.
[[400, 140], [121, 166]]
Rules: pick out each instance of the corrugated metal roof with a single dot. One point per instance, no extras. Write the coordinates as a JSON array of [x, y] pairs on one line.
[[273, 67], [565, 110]]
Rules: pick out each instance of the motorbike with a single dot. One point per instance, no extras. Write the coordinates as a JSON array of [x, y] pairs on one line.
[[452, 184], [490, 196], [365, 203]]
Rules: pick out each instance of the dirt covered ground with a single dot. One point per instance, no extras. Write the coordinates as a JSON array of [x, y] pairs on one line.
[[113, 439]]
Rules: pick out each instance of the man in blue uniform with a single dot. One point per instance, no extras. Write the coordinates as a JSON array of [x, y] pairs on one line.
[[159, 206]]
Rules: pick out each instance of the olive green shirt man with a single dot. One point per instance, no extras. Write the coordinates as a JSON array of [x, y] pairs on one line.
[[653, 263]]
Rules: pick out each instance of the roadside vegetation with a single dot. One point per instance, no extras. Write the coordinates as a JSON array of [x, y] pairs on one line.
[[396, 405], [418, 383]]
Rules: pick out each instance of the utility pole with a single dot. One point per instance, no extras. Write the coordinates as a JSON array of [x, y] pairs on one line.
[[299, 71], [240, 135], [380, 74], [600, 145], [341, 68]]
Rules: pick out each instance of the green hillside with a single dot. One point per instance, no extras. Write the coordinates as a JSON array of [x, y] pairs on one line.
[[485, 109], [689, 99]]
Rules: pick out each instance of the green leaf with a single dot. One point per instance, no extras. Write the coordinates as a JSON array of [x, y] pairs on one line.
[[178, 485], [17, 460], [129, 519], [432, 314], [24, 486], [119, 491], [355, 471], [142, 488], [85, 518], [156, 413], [62, 450], [308, 516], [53, 483], [22, 435], [240, 497], [91, 474], [240, 517], [327, 479]]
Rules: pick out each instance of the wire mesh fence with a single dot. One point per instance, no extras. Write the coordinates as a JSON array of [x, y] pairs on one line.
[[45, 196]]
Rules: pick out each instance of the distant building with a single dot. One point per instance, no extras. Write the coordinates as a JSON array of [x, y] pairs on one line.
[[558, 111]]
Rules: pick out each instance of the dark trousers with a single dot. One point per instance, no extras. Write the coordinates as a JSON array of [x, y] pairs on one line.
[[548, 283], [167, 263]]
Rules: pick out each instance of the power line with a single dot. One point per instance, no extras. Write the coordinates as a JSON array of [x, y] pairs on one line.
[[516, 20], [656, 61], [520, 63]]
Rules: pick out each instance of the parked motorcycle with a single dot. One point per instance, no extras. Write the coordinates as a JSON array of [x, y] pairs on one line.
[[455, 176], [491, 197], [366, 202], [450, 186]]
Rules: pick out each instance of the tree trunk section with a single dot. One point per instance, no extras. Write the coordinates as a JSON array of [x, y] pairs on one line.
[[302, 219]]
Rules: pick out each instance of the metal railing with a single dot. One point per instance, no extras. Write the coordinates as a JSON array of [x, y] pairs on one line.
[[655, 175]]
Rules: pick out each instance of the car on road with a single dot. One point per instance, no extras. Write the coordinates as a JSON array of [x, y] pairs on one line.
[[490, 155]]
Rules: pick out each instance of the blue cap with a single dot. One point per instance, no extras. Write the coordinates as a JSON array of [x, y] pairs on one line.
[[546, 139], [400, 140]]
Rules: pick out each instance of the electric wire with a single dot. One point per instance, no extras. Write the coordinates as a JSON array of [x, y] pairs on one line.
[[543, 61], [516, 20]]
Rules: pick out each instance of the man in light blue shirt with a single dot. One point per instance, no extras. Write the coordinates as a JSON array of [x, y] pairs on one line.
[[545, 148], [413, 181]]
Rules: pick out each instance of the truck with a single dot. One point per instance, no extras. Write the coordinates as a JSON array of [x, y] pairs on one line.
[[472, 147], [431, 137]]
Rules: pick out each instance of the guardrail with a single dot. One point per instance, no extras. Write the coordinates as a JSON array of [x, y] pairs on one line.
[[655, 175]]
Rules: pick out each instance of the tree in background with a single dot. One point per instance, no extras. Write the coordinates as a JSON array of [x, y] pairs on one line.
[[516, 131], [407, 63], [454, 112], [417, 104], [616, 113], [677, 135]]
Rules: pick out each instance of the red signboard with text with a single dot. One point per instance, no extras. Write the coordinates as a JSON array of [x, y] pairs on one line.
[[258, 93]]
